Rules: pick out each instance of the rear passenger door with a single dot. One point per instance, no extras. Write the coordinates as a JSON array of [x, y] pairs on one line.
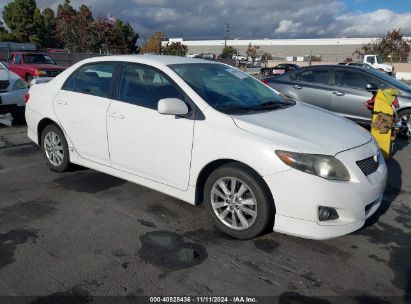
[[311, 86], [349, 94], [142, 141], [81, 108]]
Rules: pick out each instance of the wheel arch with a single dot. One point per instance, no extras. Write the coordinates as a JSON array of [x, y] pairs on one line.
[[404, 109], [214, 165], [42, 125]]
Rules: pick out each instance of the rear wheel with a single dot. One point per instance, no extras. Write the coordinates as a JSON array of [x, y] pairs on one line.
[[55, 148], [239, 201], [405, 123]]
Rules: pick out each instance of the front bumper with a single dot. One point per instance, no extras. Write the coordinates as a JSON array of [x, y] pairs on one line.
[[13, 97], [298, 195]]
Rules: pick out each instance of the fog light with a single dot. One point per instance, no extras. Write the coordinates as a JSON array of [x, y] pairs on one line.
[[327, 214]]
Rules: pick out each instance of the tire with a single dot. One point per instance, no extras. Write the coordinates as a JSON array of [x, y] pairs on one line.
[[55, 148], [29, 78], [233, 207], [405, 118]]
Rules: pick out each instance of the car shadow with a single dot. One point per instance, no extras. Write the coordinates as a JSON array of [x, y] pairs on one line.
[[394, 185]]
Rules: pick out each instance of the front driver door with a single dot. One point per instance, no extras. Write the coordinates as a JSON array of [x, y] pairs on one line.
[[142, 141], [81, 107]]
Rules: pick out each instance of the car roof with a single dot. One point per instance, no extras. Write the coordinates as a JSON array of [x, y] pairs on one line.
[[150, 59]]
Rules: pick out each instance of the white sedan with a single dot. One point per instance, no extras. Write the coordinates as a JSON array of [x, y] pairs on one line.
[[12, 90], [206, 132]]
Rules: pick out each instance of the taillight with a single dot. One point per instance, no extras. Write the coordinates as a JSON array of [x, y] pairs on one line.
[[26, 97], [265, 81], [395, 103]]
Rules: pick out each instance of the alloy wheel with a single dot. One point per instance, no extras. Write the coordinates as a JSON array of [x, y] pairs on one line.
[[53, 147], [234, 203]]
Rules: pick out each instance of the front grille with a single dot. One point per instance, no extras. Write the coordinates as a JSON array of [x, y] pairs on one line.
[[4, 84], [368, 166], [53, 73]]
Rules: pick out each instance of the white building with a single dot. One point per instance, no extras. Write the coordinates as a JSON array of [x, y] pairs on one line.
[[330, 49]]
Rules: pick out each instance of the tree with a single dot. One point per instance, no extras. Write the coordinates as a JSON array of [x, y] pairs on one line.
[[266, 56], [49, 19], [393, 47], [228, 52], [252, 51], [24, 20], [66, 27], [175, 49], [129, 36], [153, 44]]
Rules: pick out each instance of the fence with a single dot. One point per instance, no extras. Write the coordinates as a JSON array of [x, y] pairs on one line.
[[63, 59]]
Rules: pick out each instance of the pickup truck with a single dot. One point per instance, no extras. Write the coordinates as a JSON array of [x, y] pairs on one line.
[[33, 65], [377, 62]]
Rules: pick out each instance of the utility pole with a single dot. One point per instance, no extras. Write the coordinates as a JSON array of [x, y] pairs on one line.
[[227, 32]]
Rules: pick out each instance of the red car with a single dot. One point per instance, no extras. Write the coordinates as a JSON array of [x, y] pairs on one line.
[[279, 69], [31, 65]]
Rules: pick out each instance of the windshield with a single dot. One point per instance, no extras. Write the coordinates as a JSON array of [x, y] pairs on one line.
[[229, 90], [37, 58], [379, 59]]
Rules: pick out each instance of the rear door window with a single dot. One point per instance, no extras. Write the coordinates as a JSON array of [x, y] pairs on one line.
[[95, 79]]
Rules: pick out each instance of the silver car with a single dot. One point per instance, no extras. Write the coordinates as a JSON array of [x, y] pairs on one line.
[[341, 89]]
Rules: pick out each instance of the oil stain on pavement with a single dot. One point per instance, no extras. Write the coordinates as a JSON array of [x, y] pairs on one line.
[[9, 242], [75, 295], [22, 151], [168, 250], [28, 211], [400, 251], [88, 182]]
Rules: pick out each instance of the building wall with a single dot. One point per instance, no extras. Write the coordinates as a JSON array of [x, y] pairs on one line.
[[333, 49]]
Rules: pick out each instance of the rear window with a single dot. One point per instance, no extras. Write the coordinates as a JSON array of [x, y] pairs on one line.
[[95, 79]]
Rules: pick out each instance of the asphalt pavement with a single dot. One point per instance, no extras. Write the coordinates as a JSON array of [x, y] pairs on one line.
[[88, 235]]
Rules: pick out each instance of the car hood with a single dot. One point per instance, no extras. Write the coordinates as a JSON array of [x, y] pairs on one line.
[[47, 66], [306, 129], [4, 75], [8, 75]]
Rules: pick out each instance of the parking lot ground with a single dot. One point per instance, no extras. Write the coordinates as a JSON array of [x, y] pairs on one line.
[[84, 234]]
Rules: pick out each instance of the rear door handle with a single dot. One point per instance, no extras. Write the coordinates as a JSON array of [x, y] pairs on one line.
[[297, 87], [61, 102], [338, 93], [116, 115]]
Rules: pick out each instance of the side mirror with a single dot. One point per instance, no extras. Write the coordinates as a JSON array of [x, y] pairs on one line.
[[172, 106], [371, 87]]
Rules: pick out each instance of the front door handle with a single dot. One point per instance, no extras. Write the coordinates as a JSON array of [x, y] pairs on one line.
[[61, 102], [116, 115], [338, 93], [297, 87]]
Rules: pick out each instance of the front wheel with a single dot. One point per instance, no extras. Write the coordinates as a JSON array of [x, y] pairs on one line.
[[55, 148], [239, 201]]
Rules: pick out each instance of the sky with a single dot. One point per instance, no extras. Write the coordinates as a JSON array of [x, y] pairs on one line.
[[204, 19]]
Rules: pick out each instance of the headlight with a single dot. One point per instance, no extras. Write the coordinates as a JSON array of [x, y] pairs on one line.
[[324, 166], [20, 84], [40, 73]]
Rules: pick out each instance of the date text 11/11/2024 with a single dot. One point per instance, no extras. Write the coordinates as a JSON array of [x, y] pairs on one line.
[[199, 299]]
